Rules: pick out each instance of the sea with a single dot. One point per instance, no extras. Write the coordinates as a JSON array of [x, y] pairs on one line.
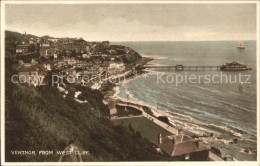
[[227, 108]]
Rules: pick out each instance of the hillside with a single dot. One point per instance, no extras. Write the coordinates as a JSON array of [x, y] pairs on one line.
[[16, 35], [39, 118]]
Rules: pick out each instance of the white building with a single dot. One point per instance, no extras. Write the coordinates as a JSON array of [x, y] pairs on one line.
[[115, 68], [85, 56], [53, 39]]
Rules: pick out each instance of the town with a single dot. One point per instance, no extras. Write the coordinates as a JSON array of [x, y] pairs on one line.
[[49, 61], [73, 59]]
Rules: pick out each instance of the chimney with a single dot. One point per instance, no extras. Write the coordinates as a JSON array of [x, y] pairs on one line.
[[173, 141], [160, 138], [180, 131]]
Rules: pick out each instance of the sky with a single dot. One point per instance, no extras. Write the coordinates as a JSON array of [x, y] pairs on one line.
[[135, 22]]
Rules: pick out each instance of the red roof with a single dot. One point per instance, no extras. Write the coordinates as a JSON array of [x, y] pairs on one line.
[[180, 145]]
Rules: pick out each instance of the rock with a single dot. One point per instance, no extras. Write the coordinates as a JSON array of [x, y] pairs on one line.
[[246, 150], [235, 140], [216, 151], [228, 158]]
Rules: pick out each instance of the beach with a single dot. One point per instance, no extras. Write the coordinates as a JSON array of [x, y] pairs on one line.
[[201, 108]]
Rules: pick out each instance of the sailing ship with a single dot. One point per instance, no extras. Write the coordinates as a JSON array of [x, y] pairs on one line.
[[241, 45], [235, 66]]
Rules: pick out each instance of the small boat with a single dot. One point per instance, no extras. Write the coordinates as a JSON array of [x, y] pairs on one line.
[[241, 45], [240, 87], [234, 66]]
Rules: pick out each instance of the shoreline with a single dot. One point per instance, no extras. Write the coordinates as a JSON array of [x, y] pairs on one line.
[[154, 118], [157, 112]]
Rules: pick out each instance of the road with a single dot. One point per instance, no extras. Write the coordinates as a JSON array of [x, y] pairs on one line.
[[212, 156], [125, 117]]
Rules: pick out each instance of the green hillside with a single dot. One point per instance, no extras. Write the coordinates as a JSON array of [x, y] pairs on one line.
[[16, 35], [40, 118]]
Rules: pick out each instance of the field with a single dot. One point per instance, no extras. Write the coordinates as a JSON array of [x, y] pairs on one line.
[[146, 127]]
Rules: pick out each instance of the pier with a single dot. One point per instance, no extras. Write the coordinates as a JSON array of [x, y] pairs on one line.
[[179, 68]]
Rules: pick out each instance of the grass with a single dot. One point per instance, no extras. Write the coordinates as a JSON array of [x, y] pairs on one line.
[[39, 118], [147, 128]]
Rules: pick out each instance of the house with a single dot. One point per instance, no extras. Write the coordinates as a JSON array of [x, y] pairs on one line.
[[61, 63], [25, 48], [31, 74], [72, 61], [55, 55], [32, 40], [33, 61], [88, 48], [116, 68], [48, 65], [53, 40], [183, 147], [85, 56], [46, 50]]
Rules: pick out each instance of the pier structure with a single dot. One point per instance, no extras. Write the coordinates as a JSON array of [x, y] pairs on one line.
[[180, 68]]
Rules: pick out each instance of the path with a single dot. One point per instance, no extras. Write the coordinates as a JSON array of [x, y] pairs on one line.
[[155, 120], [212, 156], [125, 117]]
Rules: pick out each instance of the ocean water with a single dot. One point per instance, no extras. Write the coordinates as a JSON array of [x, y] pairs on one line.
[[224, 109]]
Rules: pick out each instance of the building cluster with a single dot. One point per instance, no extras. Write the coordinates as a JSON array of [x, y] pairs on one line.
[[66, 57]]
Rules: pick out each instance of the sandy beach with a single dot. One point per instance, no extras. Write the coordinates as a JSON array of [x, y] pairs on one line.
[[158, 112]]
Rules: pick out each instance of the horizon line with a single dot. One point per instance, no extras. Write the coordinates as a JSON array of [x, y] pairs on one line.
[[181, 40], [139, 40]]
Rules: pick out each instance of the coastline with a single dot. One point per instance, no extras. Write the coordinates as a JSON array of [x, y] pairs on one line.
[[123, 93], [213, 154], [157, 112]]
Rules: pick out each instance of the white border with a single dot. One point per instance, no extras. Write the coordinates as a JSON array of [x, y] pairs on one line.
[[2, 83], [3, 3]]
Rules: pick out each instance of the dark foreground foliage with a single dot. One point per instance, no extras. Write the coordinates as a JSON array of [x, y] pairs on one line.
[[40, 118]]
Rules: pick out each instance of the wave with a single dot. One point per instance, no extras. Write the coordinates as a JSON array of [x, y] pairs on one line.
[[189, 123], [204, 88], [155, 57]]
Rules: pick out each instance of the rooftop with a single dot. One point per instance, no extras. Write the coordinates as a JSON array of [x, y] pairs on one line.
[[180, 144], [27, 67]]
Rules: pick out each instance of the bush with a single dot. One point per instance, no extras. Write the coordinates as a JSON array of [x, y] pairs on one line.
[[41, 119]]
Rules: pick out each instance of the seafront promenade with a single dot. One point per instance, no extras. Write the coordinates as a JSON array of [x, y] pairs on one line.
[[165, 126], [155, 120]]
